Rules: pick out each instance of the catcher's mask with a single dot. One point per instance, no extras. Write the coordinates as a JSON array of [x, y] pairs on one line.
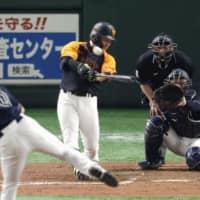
[[162, 47], [100, 31], [180, 77]]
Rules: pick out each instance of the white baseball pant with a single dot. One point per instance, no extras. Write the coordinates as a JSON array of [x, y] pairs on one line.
[[19, 139], [79, 113], [177, 144]]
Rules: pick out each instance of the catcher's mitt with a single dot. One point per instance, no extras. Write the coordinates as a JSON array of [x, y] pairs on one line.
[[168, 96]]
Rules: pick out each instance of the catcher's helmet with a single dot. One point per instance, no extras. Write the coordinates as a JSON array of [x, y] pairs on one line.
[[163, 47], [179, 76], [193, 158], [102, 30]]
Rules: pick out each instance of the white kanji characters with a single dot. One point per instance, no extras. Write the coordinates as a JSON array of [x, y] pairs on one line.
[[27, 48], [4, 48]]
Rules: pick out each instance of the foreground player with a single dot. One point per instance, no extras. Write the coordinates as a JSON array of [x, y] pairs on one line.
[[180, 127], [77, 101], [20, 134]]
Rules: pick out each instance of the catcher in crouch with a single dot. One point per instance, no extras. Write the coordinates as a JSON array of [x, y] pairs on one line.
[[179, 126]]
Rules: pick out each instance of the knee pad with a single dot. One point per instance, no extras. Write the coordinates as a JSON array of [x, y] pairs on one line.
[[193, 158], [154, 126]]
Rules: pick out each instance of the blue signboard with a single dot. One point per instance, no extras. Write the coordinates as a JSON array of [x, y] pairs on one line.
[[33, 56]]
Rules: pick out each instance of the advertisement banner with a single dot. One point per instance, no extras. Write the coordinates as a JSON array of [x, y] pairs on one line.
[[30, 46]]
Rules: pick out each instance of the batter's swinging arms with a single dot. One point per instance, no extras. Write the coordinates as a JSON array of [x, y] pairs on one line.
[[77, 101]]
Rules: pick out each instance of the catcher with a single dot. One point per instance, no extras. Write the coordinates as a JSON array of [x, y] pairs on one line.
[[179, 129]]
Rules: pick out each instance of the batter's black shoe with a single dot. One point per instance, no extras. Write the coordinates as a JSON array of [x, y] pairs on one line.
[[104, 176], [147, 165], [80, 176]]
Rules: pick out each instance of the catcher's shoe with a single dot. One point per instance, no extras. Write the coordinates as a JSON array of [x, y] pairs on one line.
[[147, 165], [104, 176], [80, 176]]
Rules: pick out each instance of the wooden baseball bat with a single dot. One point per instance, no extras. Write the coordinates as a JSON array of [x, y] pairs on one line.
[[118, 77]]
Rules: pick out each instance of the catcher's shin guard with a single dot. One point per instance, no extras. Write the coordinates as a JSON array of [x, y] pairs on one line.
[[155, 128]]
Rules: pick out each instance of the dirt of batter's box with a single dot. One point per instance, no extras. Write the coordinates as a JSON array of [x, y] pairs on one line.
[[172, 179]]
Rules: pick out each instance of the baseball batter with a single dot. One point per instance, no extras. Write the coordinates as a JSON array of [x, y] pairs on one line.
[[20, 134], [77, 101]]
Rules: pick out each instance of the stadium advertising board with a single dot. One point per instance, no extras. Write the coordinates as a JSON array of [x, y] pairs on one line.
[[30, 46]]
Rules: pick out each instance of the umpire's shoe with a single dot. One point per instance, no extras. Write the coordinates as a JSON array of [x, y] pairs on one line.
[[80, 176], [147, 165], [104, 176]]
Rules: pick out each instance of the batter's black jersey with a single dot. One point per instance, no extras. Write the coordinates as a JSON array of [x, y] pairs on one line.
[[10, 108], [81, 51], [186, 120], [149, 71]]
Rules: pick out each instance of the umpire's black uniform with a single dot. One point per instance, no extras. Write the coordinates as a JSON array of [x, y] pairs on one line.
[[149, 71]]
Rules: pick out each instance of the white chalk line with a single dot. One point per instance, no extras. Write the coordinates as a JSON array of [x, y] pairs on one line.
[[125, 182], [125, 136], [129, 181], [73, 182], [172, 180]]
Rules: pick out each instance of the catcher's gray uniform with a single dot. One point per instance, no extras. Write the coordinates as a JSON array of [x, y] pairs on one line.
[[184, 131], [20, 134], [180, 130], [178, 127]]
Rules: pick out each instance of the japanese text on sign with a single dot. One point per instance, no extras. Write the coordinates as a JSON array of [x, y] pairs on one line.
[[30, 46]]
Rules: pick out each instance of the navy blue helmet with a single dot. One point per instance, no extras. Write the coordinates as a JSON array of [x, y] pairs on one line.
[[179, 76], [193, 158]]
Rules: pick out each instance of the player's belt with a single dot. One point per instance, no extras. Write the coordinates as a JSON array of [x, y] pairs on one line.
[[79, 93]]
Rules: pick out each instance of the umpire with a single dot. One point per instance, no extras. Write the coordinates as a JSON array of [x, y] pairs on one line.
[[155, 65]]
